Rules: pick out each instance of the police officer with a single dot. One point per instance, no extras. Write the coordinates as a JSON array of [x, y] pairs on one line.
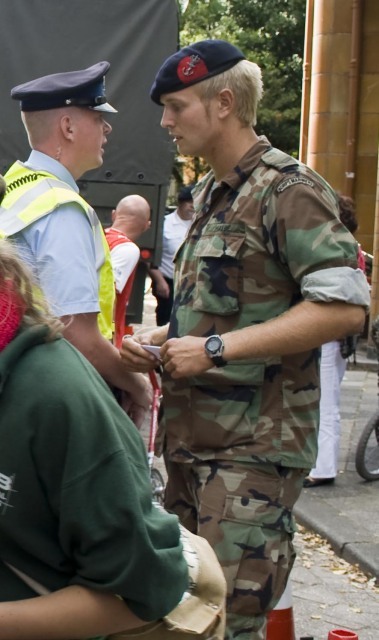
[[266, 274], [56, 230]]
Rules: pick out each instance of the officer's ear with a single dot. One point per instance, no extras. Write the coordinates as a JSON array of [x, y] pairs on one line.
[[67, 127]]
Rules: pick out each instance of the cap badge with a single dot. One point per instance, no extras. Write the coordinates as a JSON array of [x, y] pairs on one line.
[[191, 68]]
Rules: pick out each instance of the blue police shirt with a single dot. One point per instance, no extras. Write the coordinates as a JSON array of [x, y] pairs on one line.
[[60, 250]]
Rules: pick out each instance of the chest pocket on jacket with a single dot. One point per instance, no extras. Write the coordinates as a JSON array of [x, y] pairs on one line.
[[219, 269]]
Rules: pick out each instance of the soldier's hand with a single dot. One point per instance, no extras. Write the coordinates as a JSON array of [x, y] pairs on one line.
[[186, 356]]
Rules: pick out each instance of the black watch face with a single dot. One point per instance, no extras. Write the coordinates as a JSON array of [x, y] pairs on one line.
[[213, 345]]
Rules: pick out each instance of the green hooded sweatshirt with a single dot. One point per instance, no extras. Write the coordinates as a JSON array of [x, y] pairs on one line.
[[75, 493]]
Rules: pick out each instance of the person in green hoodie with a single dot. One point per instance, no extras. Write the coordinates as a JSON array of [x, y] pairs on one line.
[[78, 526]]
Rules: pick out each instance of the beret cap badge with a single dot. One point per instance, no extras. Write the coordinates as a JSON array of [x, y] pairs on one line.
[[192, 68]]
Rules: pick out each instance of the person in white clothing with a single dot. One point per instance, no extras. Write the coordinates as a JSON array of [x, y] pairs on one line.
[[175, 228], [332, 371]]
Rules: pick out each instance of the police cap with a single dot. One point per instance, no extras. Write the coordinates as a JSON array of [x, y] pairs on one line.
[[193, 64], [84, 88]]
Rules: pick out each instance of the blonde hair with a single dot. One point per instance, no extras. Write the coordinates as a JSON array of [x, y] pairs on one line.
[[36, 311], [39, 124], [245, 81]]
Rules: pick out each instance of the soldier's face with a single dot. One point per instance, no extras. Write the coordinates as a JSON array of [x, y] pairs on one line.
[[190, 122]]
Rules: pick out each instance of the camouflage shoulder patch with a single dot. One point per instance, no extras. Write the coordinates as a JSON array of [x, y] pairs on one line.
[[289, 182]]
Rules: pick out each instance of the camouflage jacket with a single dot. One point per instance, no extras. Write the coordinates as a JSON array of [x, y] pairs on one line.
[[255, 237]]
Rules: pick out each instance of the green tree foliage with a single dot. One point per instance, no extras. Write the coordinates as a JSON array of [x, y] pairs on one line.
[[270, 33]]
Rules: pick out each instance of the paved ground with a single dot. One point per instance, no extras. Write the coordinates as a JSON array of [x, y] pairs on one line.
[[347, 513], [333, 582], [328, 591]]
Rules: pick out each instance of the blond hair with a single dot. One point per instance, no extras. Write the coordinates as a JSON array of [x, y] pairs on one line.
[[36, 311], [40, 124], [245, 82]]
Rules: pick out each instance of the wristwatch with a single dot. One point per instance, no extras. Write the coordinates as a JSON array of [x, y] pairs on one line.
[[214, 347]]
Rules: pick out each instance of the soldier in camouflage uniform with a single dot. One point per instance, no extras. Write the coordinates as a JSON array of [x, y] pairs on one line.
[[266, 274]]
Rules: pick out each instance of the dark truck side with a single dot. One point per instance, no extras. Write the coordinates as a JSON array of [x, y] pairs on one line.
[[39, 37]]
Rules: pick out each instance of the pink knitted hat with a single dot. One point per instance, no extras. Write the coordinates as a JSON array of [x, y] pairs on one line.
[[11, 312]]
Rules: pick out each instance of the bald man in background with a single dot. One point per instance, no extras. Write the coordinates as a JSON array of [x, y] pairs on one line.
[[130, 219]]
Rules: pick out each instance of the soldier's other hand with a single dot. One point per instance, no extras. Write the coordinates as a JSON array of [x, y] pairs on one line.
[[183, 357]]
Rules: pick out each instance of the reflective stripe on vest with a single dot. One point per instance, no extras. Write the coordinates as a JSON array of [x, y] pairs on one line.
[[30, 196]]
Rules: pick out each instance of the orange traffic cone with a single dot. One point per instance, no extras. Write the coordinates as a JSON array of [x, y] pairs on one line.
[[280, 621], [342, 634]]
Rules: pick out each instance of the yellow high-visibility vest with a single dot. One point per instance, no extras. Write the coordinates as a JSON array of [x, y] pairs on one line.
[[33, 194]]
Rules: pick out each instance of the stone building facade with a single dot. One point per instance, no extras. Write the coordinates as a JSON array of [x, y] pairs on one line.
[[340, 108]]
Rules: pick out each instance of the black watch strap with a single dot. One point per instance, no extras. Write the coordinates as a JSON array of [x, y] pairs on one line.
[[219, 361]]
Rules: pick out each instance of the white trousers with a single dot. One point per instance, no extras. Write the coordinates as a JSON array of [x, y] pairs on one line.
[[332, 369]]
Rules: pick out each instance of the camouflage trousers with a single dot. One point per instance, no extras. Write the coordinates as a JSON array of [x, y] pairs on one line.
[[245, 513]]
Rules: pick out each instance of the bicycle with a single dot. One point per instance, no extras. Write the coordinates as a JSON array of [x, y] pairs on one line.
[[367, 452]]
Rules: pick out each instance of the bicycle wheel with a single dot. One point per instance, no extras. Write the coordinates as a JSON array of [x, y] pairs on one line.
[[367, 454], [157, 484]]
